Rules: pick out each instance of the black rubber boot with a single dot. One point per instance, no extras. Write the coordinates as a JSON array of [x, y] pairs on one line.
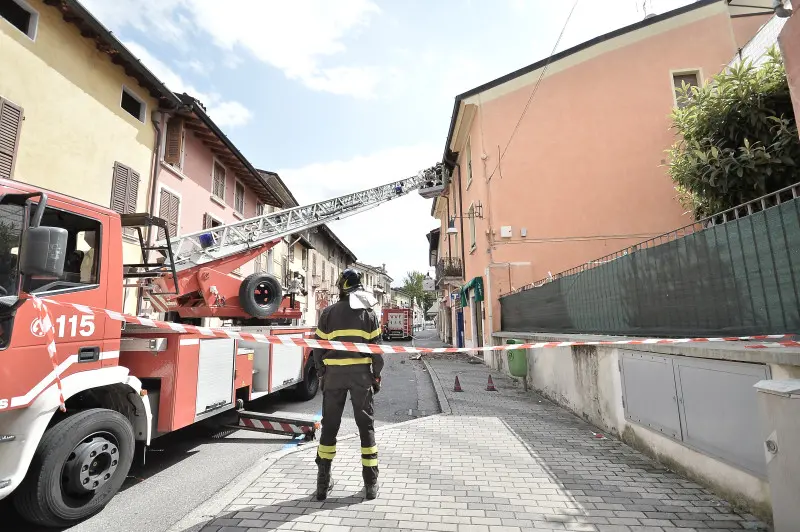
[[370, 476], [324, 479]]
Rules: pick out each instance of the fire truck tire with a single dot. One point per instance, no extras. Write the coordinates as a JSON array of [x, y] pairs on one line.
[[260, 295], [307, 389], [90, 449]]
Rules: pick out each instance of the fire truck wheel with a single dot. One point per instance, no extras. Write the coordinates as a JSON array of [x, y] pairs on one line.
[[260, 295], [307, 389], [79, 465]]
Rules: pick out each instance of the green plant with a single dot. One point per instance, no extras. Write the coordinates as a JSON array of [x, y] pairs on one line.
[[412, 285], [738, 138]]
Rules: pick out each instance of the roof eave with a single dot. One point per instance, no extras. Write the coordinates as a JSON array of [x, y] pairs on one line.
[[200, 112], [119, 53], [449, 158]]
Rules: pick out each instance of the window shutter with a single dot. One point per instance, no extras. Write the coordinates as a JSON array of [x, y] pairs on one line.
[[168, 210], [163, 210], [132, 192], [174, 142], [206, 221], [119, 188], [173, 215], [10, 127]]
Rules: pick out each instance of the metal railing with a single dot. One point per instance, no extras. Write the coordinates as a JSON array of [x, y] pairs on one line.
[[734, 273]]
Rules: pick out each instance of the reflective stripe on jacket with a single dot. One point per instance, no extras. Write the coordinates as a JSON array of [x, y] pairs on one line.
[[341, 323]]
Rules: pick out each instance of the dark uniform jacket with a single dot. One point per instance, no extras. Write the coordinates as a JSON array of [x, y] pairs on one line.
[[340, 323]]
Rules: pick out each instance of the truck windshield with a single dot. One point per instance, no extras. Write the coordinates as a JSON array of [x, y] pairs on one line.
[[11, 223]]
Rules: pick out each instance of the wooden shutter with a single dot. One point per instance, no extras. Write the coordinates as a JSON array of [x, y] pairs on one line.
[[119, 188], [174, 143], [168, 208], [132, 192], [206, 221], [10, 126]]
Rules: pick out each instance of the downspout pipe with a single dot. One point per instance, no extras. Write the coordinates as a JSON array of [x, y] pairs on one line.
[[155, 118]]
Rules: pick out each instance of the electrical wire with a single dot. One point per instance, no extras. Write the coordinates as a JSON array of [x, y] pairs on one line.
[[535, 87]]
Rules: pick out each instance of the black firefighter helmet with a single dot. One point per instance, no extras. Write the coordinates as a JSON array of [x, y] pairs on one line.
[[349, 281]]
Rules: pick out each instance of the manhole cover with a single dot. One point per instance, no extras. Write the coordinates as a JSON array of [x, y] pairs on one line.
[[412, 413]]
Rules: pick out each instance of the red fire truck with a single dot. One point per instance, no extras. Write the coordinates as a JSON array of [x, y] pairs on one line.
[[126, 385], [397, 323]]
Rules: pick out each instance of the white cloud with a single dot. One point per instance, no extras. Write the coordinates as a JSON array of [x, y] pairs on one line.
[[225, 113], [203, 68], [393, 233], [299, 37]]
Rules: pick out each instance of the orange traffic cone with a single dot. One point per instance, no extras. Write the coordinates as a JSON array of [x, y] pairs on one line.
[[457, 386], [490, 385]]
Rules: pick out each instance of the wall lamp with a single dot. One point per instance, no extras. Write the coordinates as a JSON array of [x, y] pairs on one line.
[[476, 212]]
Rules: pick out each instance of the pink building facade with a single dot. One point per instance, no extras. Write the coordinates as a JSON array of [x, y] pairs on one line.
[[204, 181], [583, 174]]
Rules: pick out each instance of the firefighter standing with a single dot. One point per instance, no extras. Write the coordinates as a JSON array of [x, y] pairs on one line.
[[352, 319]]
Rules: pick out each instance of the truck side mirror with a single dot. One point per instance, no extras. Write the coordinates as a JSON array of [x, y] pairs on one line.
[[43, 252]]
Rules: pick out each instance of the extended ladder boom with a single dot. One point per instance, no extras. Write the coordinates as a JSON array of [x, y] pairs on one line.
[[223, 241]]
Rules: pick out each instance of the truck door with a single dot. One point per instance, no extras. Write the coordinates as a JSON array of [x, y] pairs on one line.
[[80, 337]]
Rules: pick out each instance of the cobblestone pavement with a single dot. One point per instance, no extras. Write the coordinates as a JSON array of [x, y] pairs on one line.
[[502, 461]]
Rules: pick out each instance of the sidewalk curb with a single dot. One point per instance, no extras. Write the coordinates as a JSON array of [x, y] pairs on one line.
[[216, 504], [444, 404]]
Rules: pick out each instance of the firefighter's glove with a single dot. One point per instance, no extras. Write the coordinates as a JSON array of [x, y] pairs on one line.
[[376, 385]]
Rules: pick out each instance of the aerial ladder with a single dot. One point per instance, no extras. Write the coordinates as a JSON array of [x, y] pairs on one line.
[[192, 275]]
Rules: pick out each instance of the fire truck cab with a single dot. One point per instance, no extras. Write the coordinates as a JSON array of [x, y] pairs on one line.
[[122, 384]]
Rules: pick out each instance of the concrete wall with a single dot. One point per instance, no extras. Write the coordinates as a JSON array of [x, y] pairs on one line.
[[587, 380], [580, 194], [789, 41]]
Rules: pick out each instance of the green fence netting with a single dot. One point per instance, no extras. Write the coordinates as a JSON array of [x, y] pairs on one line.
[[737, 278]]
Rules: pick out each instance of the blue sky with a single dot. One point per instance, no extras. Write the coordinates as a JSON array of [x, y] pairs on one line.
[[341, 95]]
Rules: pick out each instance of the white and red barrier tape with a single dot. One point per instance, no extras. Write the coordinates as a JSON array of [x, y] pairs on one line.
[[770, 345], [383, 348], [50, 337]]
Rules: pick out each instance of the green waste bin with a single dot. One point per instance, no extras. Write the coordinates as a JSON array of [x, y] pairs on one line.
[[517, 360]]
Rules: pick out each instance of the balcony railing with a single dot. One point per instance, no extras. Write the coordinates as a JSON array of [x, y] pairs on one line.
[[449, 267]]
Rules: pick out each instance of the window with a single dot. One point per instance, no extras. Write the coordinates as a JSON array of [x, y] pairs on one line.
[[10, 126], [133, 105], [285, 271], [260, 209], [174, 144], [82, 263], [210, 222], [169, 209], [471, 215], [218, 181], [238, 197], [692, 79], [125, 192], [20, 15], [314, 264], [304, 258], [324, 269], [333, 275], [468, 155], [291, 253]]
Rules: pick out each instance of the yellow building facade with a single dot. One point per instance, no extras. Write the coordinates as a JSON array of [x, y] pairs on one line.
[[81, 106]]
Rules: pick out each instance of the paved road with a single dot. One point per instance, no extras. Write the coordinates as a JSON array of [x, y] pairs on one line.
[[187, 467]]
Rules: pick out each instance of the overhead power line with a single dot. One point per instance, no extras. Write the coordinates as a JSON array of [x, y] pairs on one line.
[[535, 87]]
